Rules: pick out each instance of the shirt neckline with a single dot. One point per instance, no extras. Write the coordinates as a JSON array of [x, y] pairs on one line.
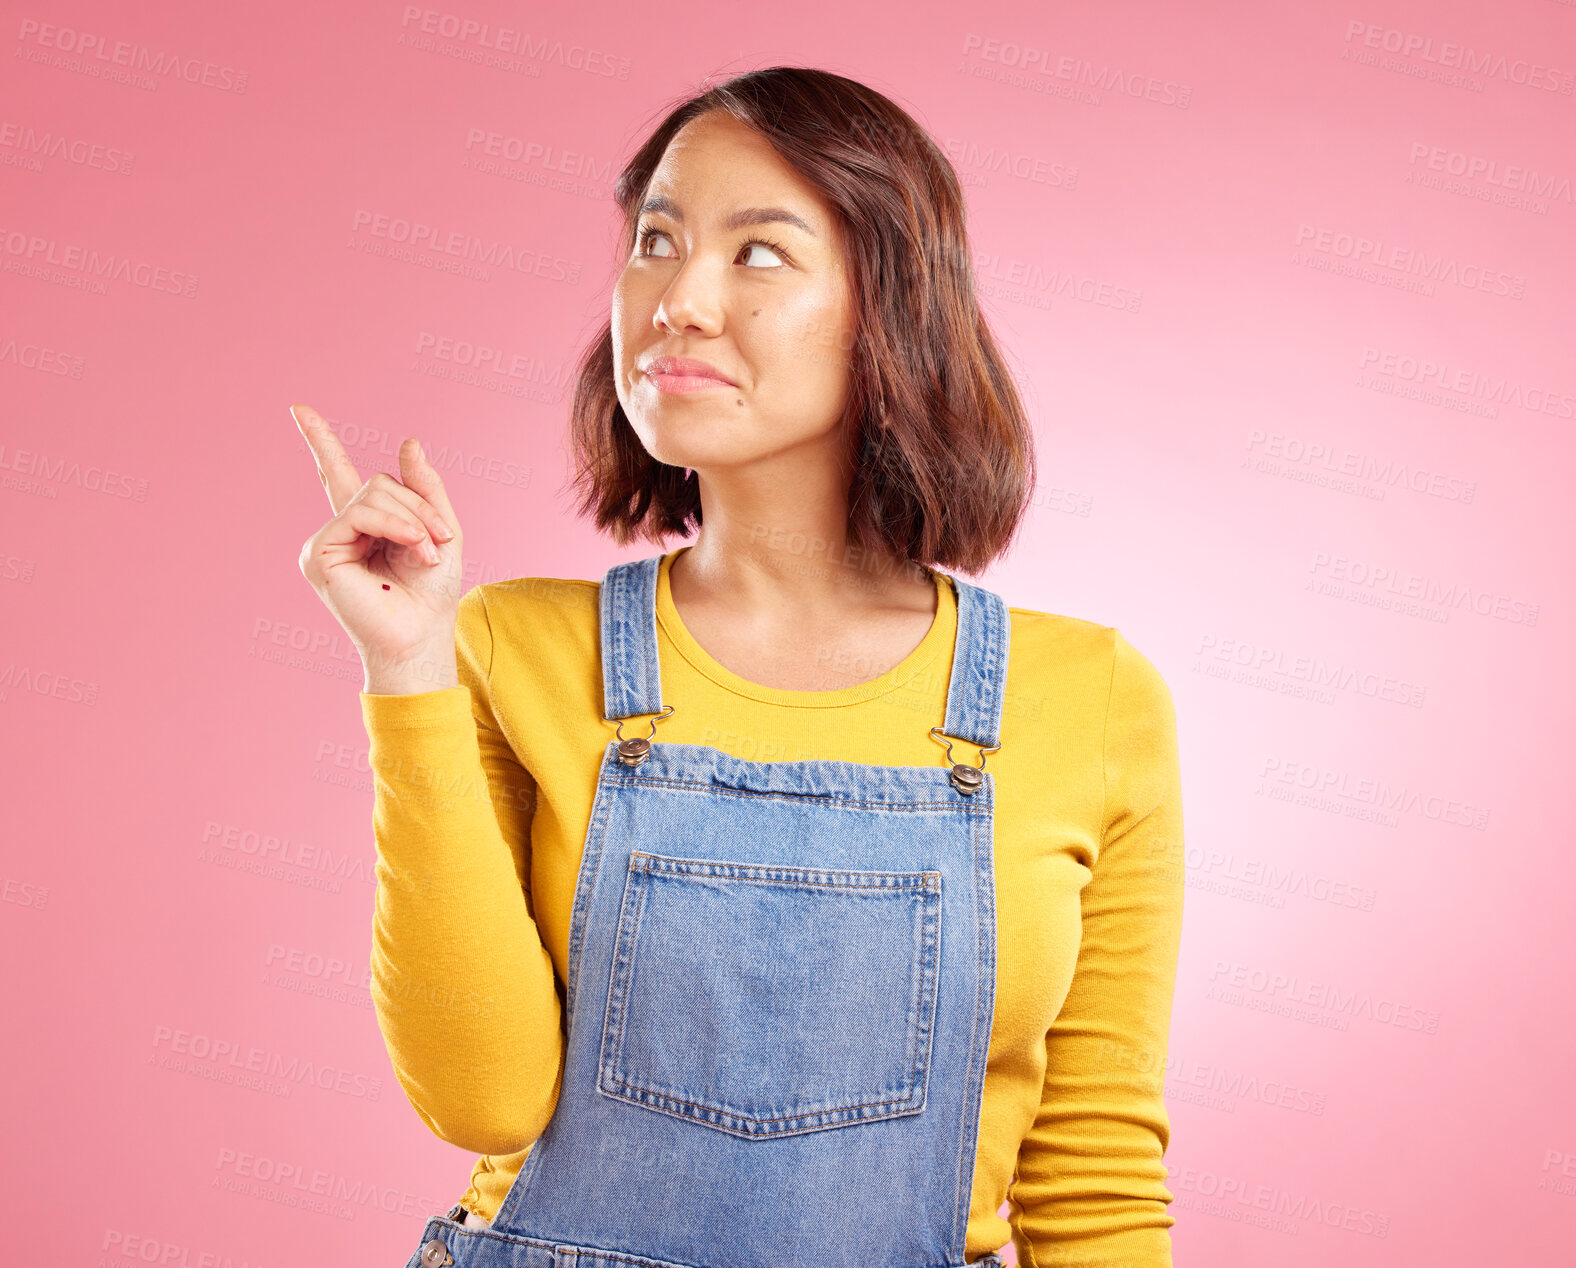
[[941, 635]]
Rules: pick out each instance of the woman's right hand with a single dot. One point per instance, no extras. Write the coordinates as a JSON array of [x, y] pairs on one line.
[[387, 565]]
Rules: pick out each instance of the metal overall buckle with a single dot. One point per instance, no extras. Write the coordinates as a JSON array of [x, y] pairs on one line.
[[965, 778], [436, 1253], [635, 750]]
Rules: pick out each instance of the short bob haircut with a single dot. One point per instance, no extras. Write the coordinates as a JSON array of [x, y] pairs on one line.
[[945, 463]]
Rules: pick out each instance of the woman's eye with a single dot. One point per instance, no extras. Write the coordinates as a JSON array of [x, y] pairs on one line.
[[648, 238], [761, 246], [774, 258]]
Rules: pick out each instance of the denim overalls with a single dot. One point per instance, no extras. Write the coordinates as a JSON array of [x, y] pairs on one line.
[[780, 994]]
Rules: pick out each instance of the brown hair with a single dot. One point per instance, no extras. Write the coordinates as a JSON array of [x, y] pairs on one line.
[[945, 455]]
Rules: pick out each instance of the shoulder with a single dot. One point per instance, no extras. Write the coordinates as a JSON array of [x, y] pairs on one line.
[[537, 595], [549, 616], [1058, 647], [552, 591], [1068, 630], [1056, 639]]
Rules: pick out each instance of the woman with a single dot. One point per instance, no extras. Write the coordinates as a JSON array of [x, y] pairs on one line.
[[699, 916]]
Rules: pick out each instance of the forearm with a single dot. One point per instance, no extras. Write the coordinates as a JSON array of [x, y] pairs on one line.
[[463, 988]]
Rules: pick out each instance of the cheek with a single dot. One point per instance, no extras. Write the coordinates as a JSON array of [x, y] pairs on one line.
[[633, 306], [619, 315], [630, 336], [803, 341]]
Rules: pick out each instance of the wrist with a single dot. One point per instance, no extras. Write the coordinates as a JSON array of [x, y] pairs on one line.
[[428, 670]]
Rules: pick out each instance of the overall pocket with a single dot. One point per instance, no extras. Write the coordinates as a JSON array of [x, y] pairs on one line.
[[767, 1000]]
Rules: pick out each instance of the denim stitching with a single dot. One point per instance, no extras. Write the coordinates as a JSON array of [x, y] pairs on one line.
[[618, 777], [783, 873], [620, 975], [622, 987], [589, 860], [624, 983], [985, 995]]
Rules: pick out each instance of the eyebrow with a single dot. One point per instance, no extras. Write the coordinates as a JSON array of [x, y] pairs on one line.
[[742, 218]]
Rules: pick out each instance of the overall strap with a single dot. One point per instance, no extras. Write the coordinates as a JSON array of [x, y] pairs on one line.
[[978, 689], [631, 676]]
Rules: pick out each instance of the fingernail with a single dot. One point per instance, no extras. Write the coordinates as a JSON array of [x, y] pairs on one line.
[[441, 528], [429, 552]]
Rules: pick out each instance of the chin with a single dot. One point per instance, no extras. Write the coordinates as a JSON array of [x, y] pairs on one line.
[[696, 442]]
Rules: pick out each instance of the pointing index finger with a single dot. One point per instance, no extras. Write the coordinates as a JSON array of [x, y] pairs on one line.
[[335, 468]]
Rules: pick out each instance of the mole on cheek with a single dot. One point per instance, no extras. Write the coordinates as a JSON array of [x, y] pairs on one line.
[[756, 313]]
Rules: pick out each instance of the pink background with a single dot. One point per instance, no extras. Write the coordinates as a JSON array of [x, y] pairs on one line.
[[1317, 468]]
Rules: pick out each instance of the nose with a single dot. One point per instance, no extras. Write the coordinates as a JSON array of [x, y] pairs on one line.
[[692, 302]]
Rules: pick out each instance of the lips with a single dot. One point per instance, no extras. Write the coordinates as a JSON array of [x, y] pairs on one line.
[[686, 367]]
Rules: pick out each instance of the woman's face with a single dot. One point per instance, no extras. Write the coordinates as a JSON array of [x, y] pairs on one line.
[[704, 282]]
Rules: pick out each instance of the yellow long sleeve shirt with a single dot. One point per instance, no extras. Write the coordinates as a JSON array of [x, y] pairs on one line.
[[482, 798]]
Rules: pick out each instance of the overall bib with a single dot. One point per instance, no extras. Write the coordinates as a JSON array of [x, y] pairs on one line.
[[780, 994]]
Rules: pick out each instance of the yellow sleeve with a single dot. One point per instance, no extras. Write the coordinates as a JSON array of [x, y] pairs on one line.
[[1090, 1180], [463, 988]]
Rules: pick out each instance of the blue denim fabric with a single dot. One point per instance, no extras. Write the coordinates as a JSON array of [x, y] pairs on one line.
[[780, 995]]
